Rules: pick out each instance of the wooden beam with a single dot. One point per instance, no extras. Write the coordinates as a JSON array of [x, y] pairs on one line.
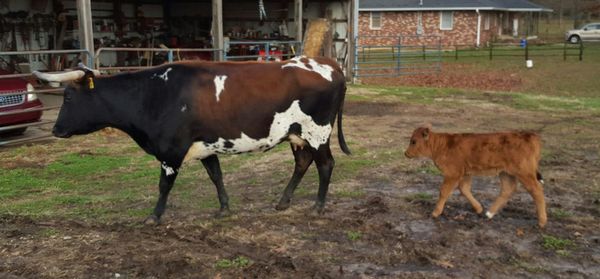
[[352, 17], [217, 28]]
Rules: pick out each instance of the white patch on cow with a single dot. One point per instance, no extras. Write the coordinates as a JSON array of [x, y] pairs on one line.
[[489, 214], [164, 76], [184, 108], [219, 85], [324, 70], [168, 170], [314, 134]]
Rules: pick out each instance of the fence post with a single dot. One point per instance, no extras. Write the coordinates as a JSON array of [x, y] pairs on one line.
[[399, 56], [526, 51], [580, 50], [455, 52], [424, 55], [491, 48], [170, 56], [565, 52]]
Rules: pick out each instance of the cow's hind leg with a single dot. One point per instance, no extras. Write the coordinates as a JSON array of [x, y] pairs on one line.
[[508, 185], [213, 168], [303, 158], [325, 163], [167, 178], [536, 191], [465, 189]]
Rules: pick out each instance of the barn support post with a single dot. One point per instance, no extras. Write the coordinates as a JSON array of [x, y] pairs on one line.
[[352, 39], [86, 35], [298, 19], [217, 29]]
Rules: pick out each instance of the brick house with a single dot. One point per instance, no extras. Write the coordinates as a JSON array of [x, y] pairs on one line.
[[454, 22]]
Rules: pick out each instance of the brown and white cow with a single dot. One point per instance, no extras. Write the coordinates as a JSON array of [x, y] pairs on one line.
[[511, 155], [198, 110]]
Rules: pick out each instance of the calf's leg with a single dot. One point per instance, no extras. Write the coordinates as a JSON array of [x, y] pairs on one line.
[[508, 185], [167, 178], [449, 184], [465, 189], [303, 158], [325, 163], [536, 191], [213, 168]]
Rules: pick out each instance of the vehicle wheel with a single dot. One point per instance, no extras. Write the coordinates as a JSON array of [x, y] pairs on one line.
[[574, 39], [13, 133]]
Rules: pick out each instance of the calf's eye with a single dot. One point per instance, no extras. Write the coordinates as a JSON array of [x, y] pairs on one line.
[[413, 142]]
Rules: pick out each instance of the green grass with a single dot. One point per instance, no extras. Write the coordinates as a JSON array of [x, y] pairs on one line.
[[523, 101], [238, 262], [422, 196], [353, 235], [556, 243], [560, 213]]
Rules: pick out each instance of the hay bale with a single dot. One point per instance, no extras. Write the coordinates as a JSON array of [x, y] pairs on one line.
[[314, 38]]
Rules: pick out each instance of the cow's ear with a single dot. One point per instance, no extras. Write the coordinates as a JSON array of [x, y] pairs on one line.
[[87, 81]]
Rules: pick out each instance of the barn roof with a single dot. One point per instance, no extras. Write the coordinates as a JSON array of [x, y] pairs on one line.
[[440, 5]]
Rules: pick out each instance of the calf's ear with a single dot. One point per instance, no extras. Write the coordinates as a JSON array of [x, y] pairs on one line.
[[425, 133]]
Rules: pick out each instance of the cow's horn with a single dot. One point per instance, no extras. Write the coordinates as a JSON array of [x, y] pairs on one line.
[[84, 67], [60, 77]]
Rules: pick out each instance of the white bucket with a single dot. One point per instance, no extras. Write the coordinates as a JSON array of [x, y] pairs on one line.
[[529, 64]]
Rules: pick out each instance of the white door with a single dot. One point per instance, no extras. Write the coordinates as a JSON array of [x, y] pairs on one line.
[[515, 27]]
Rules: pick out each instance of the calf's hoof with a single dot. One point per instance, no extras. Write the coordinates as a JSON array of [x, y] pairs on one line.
[[435, 214], [317, 209], [489, 215], [225, 212], [282, 206], [152, 220]]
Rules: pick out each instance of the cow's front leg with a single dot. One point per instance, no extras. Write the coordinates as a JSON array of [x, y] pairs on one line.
[[167, 178], [213, 168], [325, 163]]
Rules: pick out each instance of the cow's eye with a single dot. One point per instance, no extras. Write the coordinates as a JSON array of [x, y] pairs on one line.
[[413, 142], [67, 99]]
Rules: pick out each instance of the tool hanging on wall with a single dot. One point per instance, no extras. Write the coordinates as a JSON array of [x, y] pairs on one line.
[[262, 14]]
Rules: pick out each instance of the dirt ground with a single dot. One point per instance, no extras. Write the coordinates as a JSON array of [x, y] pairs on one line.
[[383, 230]]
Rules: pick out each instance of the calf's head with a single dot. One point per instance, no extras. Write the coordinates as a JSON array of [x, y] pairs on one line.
[[81, 111], [419, 143]]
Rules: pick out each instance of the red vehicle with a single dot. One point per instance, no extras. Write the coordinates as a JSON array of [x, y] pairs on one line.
[[9, 103]]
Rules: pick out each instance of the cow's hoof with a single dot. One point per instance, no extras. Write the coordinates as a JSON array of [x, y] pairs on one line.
[[317, 210], [223, 213], [282, 206], [152, 220]]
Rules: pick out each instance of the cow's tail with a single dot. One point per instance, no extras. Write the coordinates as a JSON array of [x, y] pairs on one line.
[[539, 177], [340, 133]]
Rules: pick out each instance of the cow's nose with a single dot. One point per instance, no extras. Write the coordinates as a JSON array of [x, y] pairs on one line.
[[56, 131]]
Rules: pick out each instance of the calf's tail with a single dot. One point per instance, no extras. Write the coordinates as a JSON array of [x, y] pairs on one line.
[[340, 133]]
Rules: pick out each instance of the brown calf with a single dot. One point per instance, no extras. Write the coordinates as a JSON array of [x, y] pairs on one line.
[[512, 156]]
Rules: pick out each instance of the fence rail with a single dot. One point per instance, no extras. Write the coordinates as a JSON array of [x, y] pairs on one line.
[[264, 50], [171, 52]]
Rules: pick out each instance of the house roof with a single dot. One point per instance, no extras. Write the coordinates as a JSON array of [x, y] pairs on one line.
[[440, 5]]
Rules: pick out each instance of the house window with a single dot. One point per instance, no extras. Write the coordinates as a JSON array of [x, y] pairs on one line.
[[376, 20], [486, 22], [446, 20]]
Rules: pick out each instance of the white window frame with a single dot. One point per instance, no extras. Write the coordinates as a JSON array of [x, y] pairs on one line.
[[451, 22], [487, 21], [371, 21]]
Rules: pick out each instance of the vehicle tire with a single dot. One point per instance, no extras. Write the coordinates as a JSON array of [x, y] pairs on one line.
[[574, 39], [13, 133]]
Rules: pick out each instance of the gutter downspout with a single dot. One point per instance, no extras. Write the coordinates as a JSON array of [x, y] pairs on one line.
[[478, 27]]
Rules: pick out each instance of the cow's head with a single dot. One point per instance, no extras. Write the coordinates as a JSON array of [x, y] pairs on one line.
[[80, 112], [419, 143]]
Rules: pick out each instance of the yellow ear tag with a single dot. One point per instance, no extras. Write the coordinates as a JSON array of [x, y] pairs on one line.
[[91, 82]]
